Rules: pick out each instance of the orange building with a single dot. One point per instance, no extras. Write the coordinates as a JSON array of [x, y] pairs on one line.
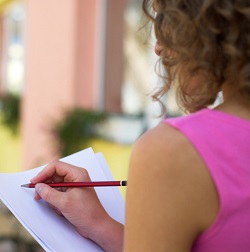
[[73, 56], [60, 54]]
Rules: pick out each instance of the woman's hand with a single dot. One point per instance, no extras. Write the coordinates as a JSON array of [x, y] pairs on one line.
[[80, 206]]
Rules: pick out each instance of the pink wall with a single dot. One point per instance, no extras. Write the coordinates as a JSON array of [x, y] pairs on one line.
[[114, 53], [86, 49], [58, 63], [64, 66]]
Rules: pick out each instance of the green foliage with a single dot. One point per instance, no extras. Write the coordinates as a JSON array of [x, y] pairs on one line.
[[10, 112], [76, 129]]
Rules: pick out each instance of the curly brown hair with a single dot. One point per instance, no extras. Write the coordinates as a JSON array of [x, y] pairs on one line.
[[206, 42]]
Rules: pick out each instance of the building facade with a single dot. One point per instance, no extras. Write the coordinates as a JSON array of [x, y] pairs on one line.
[[73, 57]]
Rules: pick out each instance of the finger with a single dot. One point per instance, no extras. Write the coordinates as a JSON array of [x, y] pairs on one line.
[[59, 171], [47, 173], [60, 189], [49, 194]]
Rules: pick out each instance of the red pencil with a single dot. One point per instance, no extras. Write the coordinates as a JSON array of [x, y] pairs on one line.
[[81, 184]]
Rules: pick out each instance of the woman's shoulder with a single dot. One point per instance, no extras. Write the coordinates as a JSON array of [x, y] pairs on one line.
[[165, 158], [166, 150], [162, 140]]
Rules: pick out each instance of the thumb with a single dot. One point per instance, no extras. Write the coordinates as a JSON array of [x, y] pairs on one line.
[[48, 194]]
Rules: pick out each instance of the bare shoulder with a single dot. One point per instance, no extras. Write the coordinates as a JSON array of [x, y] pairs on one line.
[[160, 139], [169, 184], [165, 146]]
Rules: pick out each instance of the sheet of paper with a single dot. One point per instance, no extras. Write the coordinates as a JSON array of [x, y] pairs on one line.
[[110, 177], [53, 232]]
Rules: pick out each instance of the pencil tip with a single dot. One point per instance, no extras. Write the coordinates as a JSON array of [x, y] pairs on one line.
[[25, 185]]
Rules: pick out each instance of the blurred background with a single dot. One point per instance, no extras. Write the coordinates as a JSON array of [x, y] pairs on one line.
[[73, 74]]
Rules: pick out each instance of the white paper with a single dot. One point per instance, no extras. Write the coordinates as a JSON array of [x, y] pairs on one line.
[[53, 232]]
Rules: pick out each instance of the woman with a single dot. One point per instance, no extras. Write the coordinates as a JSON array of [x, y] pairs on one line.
[[189, 178]]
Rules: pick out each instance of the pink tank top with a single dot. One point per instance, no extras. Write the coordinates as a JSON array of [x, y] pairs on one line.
[[223, 142]]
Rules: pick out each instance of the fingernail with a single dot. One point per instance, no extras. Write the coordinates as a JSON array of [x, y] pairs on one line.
[[32, 179]]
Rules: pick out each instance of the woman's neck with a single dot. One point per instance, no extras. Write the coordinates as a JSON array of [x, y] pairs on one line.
[[234, 103]]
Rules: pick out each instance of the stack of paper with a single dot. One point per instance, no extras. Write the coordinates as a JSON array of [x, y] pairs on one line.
[[53, 232]]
